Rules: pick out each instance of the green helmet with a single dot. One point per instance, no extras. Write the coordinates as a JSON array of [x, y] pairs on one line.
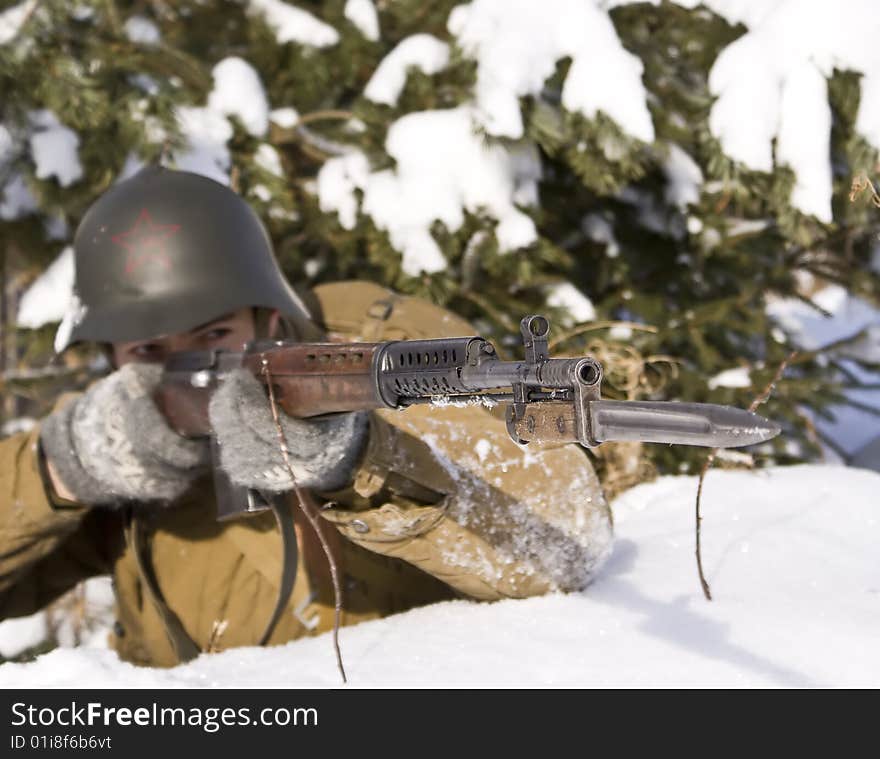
[[166, 251]]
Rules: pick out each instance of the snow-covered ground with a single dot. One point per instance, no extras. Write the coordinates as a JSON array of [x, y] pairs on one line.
[[791, 555]]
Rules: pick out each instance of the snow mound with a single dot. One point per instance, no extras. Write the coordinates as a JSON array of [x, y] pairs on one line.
[[790, 554]]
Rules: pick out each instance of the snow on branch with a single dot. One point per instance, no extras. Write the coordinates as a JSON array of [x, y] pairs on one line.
[[292, 24], [517, 44], [362, 13], [239, 92], [54, 148], [443, 168], [12, 19], [48, 298], [423, 51], [777, 74]]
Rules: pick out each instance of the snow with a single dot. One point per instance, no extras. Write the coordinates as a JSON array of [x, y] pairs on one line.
[[776, 74], [683, 177], [12, 19], [809, 329], [73, 316], [141, 30], [133, 164], [239, 92], [362, 13], [7, 146], [18, 635], [517, 44], [868, 457], [267, 158], [737, 377], [443, 167], [207, 133], [95, 604], [790, 554], [599, 229], [566, 296], [292, 24], [482, 448], [17, 200], [284, 117], [778, 78], [54, 149], [16, 425], [48, 298], [56, 227], [422, 51], [337, 181]]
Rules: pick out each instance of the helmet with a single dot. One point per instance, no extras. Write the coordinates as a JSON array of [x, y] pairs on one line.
[[166, 251]]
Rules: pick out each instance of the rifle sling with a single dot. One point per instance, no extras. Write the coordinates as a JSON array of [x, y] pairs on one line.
[[184, 647], [284, 518]]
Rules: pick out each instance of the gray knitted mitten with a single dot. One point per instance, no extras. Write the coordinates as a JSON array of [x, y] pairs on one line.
[[112, 444], [323, 452]]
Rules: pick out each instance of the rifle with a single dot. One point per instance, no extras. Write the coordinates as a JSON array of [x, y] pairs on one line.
[[549, 400]]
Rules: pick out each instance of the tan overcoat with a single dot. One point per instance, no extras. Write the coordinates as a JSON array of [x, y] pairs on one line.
[[443, 505]]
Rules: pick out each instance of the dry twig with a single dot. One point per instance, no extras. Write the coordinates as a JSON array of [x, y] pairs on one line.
[[710, 459], [861, 183], [310, 510]]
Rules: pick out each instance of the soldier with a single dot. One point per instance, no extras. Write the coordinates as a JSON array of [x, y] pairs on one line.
[[419, 506]]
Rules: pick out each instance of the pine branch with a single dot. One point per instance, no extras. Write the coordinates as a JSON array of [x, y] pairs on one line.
[[593, 326]]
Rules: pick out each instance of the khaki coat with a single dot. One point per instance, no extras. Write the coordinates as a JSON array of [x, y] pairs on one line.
[[443, 505]]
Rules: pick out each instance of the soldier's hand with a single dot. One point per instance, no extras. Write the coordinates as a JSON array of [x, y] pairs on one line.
[[322, 452], [112, 444]]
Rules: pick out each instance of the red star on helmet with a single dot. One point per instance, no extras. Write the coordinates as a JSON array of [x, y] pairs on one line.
[[146, 241]]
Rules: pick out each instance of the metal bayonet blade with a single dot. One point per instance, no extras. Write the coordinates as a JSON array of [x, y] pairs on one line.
[[707, 424]]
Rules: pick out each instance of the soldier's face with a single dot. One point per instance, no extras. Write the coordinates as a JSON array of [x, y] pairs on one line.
[[229, 332]]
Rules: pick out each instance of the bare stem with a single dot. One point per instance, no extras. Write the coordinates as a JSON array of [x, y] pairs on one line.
[[328, 115], [861, 183], [704, 584], [710, 459], [310, 510]]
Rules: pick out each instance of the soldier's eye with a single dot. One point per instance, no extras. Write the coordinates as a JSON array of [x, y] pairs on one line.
[[215, 334], [146, 350]]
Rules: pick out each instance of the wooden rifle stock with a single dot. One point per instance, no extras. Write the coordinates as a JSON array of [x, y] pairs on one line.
[[309, 379]]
